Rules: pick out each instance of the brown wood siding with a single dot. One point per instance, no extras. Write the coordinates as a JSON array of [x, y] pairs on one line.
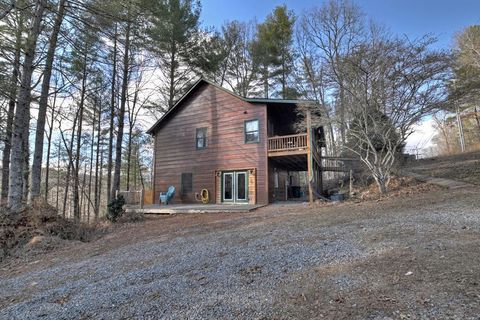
[[223, 115]]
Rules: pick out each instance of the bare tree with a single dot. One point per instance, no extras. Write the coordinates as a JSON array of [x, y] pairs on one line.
[[391, 84], [241, 67], [333, 31]]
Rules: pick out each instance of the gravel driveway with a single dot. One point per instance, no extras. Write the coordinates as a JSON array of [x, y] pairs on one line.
[[416, 257]]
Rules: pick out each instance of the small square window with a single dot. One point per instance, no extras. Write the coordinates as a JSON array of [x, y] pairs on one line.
[[201, 138], [252, 133]]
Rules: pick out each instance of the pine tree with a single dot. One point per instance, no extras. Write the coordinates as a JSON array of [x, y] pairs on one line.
[[173, 31]]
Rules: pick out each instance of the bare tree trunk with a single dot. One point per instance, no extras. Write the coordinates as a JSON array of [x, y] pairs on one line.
[[76, 182], [43, 103], [22, 113], [132, 115], [121, 115], [265, 81], [129, 155], [83, 201], [58, 174], [99, 195], [26, 158], [92, 142], [112, 117], [382, 180], [341, 114], [70, 163], [49, 147], [135, 169], [10, 115], [171, 97], [140, 171], [96, 187]]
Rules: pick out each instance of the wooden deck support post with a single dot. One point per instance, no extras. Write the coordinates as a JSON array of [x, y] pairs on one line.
[[309, 156]]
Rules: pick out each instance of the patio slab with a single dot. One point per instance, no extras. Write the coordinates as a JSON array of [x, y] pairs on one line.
[[195, 208]]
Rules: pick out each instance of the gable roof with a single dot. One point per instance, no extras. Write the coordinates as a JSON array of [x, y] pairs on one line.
[[200, 81]]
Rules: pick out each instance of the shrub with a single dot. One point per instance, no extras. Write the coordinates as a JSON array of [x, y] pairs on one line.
[[115, 208]]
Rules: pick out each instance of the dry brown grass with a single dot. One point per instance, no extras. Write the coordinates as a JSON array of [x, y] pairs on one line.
[[462, 167], [131, 217], [398, 186]]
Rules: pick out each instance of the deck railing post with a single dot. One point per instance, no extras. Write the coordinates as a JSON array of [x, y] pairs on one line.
[[309, 158]]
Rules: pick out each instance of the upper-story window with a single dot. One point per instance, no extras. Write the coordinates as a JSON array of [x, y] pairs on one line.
[[252, 133], [201, 138]]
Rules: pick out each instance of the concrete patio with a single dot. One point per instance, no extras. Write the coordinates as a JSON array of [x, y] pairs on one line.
[[194, 208]]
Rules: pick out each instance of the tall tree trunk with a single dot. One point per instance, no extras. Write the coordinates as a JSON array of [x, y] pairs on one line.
[[99, 195], [112, 117], [129, 156], [171, 93], [96, 187], [58, 175], [341, 114], [135, 169], [70, 163], [43, 103], [121, 114], [76, 180], [140, 171], [10, 114], [131, 123], [26, 158], [265, 81], [83, 200], [22, 113], [284, 78], [92, 142], [49, 146]]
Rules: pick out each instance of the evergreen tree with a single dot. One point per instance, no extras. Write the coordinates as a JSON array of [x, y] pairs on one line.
[[173, 30], [275, 52]]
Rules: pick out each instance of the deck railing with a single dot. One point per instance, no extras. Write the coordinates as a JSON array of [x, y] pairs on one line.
[[294, 142], [337, 164]]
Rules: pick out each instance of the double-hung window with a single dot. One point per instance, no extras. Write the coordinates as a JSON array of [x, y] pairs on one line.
[[252, 133], [201, 138]]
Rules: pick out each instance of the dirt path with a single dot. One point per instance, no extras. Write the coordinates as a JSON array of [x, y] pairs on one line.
[[402, 258]]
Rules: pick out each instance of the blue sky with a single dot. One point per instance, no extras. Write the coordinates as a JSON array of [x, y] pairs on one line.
[[413, 18]]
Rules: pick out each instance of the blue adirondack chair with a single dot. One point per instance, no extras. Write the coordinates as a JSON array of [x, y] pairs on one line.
[[166, 197]]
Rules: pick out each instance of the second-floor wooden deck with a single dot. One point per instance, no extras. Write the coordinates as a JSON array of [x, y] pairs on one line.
[[298, 144], [293, 144]]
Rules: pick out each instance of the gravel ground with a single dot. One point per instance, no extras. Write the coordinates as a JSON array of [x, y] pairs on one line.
[[333, 261]]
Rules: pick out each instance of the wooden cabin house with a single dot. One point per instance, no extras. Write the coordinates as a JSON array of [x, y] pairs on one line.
[[242, 150]]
